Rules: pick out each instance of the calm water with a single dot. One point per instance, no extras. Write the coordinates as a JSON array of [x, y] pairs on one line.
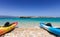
[[30, 22]]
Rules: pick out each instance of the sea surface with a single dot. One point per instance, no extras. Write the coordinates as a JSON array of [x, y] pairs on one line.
[[30, 22]]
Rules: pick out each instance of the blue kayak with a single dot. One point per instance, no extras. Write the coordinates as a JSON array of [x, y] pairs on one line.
[[51, 29]]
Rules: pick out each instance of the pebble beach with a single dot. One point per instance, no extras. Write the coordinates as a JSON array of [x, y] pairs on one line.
[[28, 32]]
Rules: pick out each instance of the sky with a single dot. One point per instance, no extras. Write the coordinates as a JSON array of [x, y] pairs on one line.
[[30, 8]]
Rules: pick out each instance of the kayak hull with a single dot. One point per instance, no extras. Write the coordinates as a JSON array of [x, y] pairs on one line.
[[4, 30], [53, 30]]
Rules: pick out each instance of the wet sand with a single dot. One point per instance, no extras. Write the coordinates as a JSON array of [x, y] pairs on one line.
[[28, 32]]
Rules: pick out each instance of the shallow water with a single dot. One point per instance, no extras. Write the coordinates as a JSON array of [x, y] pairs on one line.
[[30, 22]]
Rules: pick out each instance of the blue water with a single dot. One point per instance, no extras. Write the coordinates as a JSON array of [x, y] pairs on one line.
[[29, 21]]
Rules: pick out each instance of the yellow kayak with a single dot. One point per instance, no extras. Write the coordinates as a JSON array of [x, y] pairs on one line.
[[4, 30]]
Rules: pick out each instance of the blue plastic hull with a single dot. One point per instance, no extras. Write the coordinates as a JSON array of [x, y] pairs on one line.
[[53, 30]]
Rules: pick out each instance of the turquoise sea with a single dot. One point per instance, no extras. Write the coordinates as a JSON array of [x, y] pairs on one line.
[[29, 22]]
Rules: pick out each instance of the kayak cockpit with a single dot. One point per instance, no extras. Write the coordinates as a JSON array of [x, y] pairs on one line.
[[57, 28]]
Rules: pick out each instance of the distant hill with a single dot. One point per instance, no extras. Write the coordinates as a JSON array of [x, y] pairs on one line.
[[27, 17], [37, 17]]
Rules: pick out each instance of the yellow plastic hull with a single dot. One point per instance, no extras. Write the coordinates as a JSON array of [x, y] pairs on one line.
[[4, 30]]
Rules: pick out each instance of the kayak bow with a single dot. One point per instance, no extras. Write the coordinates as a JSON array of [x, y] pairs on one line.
[[4, 30], [53, 30]]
